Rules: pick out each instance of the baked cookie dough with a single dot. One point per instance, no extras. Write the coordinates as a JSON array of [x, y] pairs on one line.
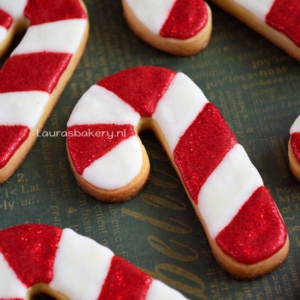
[[58, 262], [179, 27], [35, 74], [242, 223], [277, 20]]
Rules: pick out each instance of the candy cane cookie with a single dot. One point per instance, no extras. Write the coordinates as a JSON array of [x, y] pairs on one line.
[[33, 77], [58, 262], [294, 148], [277, 20], [242, 223], [179, 27]]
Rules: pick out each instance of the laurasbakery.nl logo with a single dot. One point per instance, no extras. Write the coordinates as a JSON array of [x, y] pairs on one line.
[[109, 134]]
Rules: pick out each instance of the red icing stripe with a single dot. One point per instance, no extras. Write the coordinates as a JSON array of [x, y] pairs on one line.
[[295, 144], [285, 17], [256, 232], [5, 19], [30, 251], [36, 71], [11, 138], [186, 19], [202, 147], [44, 11], [140, 87], [87, 143], [125, 281]]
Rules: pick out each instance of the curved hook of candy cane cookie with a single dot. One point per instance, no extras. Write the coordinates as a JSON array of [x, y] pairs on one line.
[[241, 220], [33, 77], [38, 258], [179, 27], [276, 20]]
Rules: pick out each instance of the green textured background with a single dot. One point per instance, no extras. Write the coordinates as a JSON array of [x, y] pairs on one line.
[[256, 87]]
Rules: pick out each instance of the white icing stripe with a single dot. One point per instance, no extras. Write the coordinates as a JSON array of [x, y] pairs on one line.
[[81, 266], [15, 8], [3, 33], [259, 8], [100, 106], [228, 187], [10, 286], [22, 108], [61, 36], [172, 114], [160, 291], [116, 168], [153, 14], [296, 126]]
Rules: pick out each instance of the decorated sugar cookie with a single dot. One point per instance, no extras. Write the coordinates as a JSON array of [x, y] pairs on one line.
[[179, 27], [36, 72], [294, 148], [241, 220], [277, 20], [63, 264]]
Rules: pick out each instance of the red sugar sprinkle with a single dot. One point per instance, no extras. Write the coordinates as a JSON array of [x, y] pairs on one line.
[[5, 19], [202, 148], [44, 11], [11, 138], [186, 19], [140, 87], [295, 144], [33, 72], [85, 146], [256, 232], [125, 282], [284, 16], [30, 251]]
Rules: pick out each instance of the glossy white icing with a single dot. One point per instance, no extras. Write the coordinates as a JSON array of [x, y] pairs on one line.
[[61, 36], [178, 108], [118, 167], [160, 291], [10, 286], [228, 187], [15, 8], [259, 8], [296, 126], [22, 108], [100, 106], [80, 267], [153, 14], [3, 33]]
